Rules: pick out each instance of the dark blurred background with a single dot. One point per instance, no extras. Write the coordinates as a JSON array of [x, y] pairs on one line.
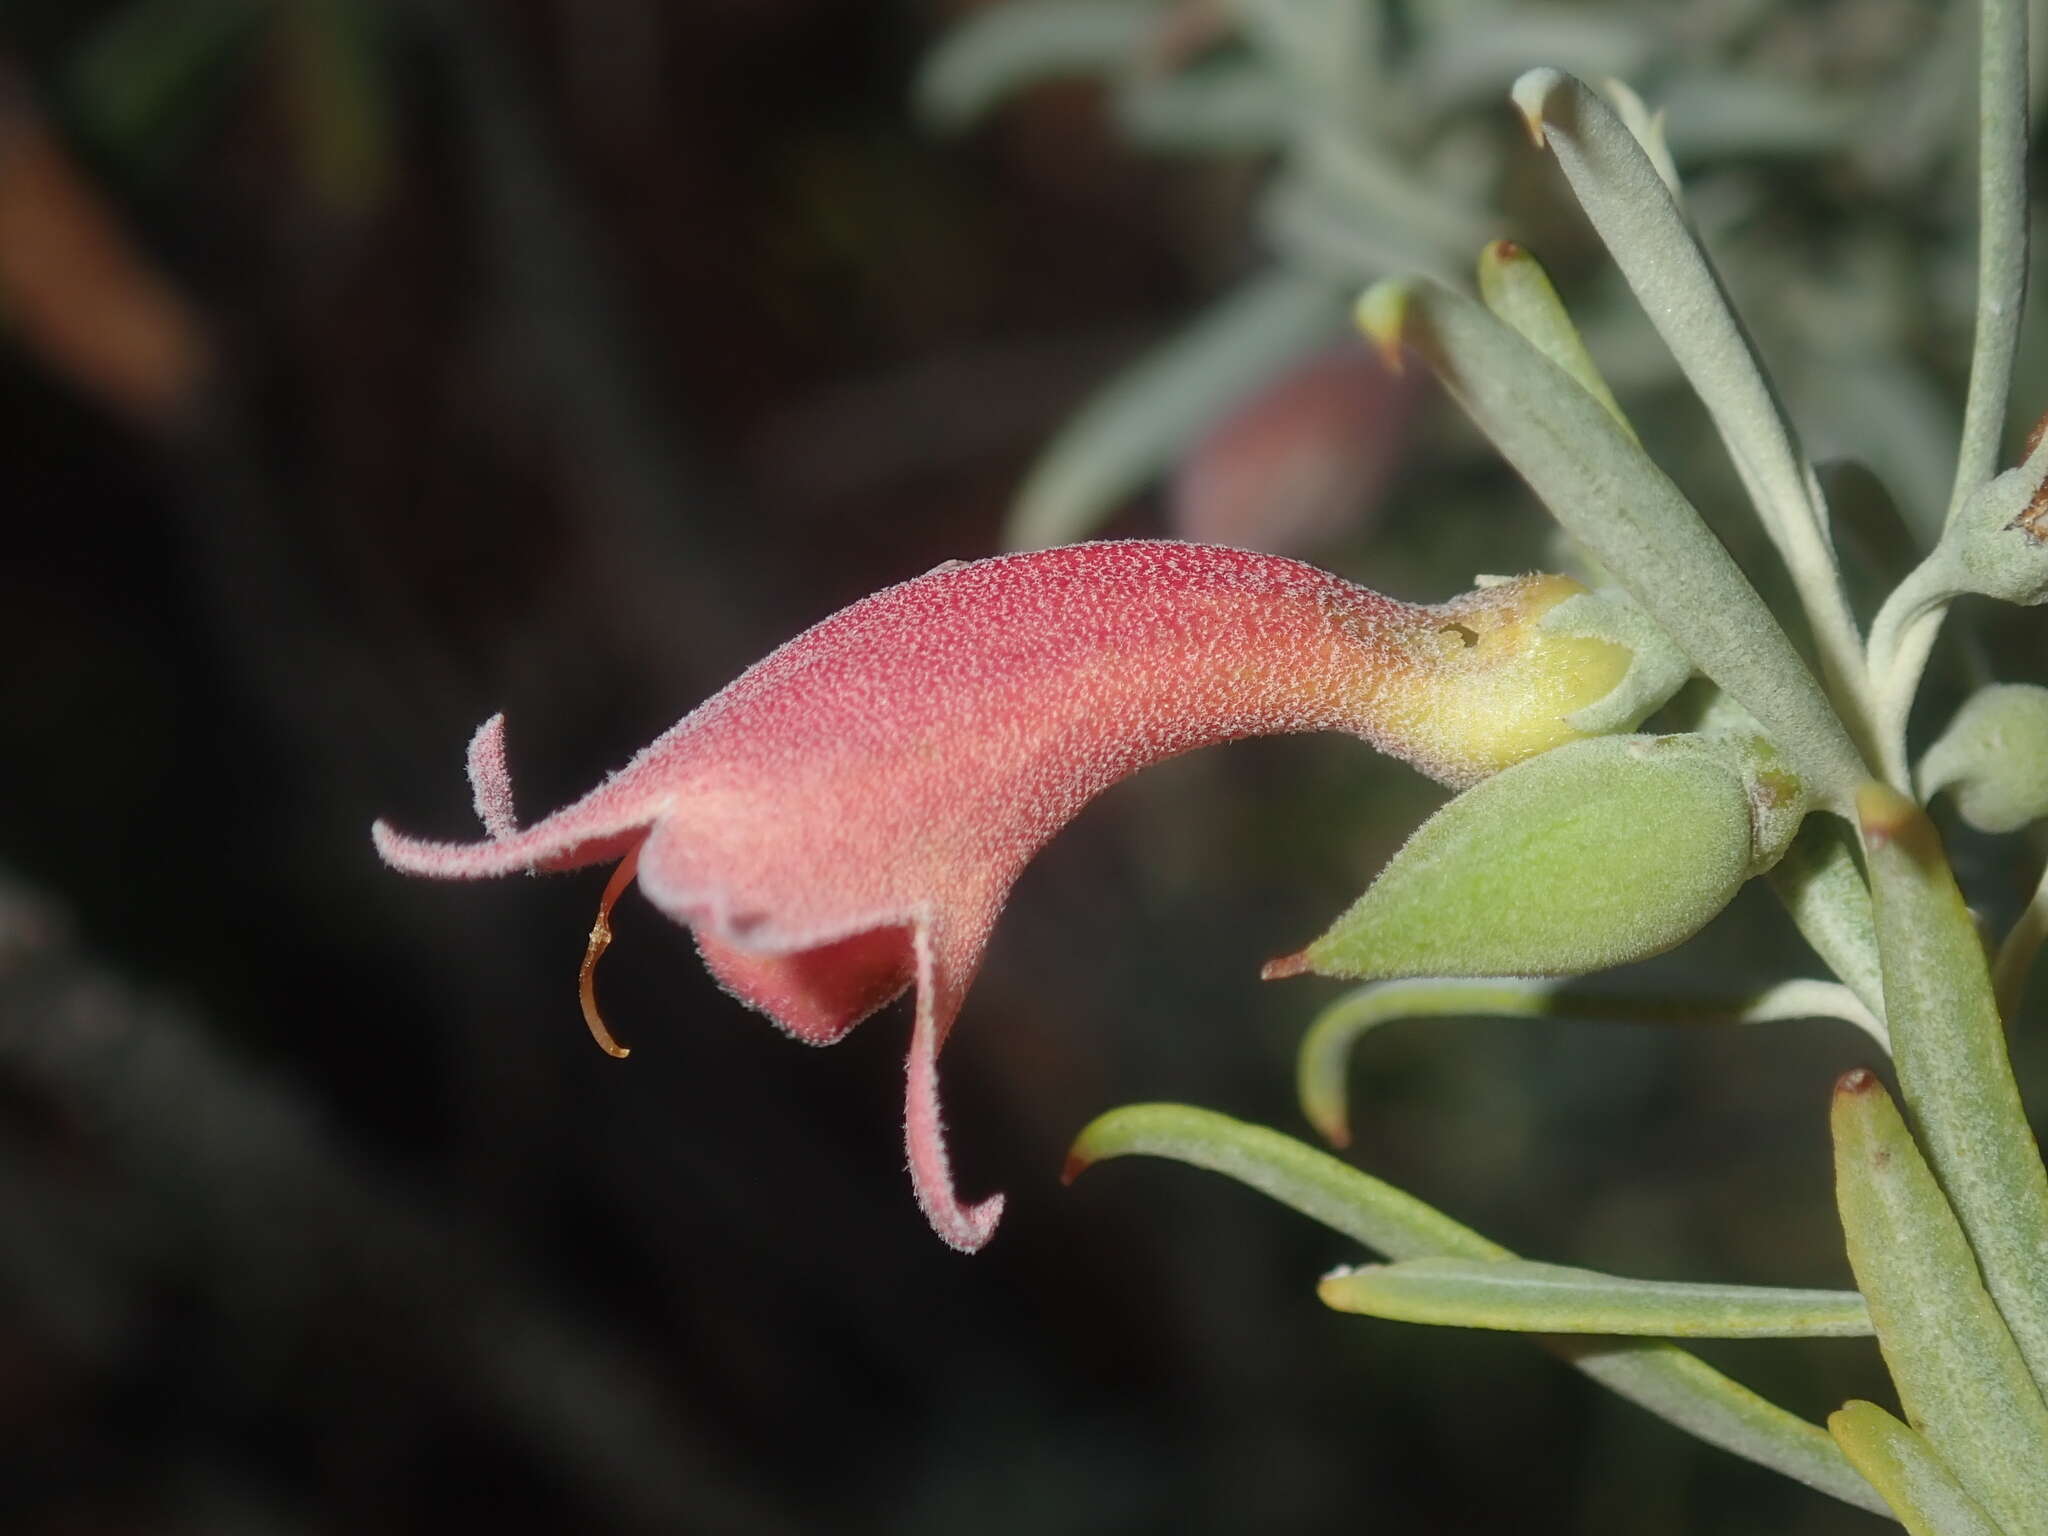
[[369, 367]]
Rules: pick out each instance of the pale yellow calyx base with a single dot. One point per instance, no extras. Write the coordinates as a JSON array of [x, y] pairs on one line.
[[1497, 686]]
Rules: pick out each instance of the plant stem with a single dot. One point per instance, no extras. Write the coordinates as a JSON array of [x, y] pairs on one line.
[[2002, 130]]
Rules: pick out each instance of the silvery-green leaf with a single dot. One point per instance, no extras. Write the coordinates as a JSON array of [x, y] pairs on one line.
[[1632, 208], [1918, 1485], [1518, 1296], [1668, 1381], [1593, 854], [1994, 756], [1614, 499], [1648, 128], [1625, 197], [1136, 425], [1959, 1375], [2002, 138], [1002, 49], [1948, 1042]]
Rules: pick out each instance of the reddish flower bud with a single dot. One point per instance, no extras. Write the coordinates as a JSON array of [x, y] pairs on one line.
[[847, 817]]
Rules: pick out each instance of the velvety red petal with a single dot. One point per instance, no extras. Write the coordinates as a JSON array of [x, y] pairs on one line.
[[816, 994], [850, 813]]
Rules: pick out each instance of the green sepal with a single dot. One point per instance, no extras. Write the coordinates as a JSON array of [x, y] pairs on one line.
[[1915, 1481], [1959, 1374], [1662, 1378], [1593, 854], [1994, 755], [1517, 1296]]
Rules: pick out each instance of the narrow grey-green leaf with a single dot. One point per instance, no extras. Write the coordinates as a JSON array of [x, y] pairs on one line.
[[2002, 138], [1821, 885], [1959, 1374], [1519, 1296], [1625, 197], [1322, 1064], [1660, 1377], [1596, 853], [1608, 493], [1918, 1485], [1136, 425], [1949, 1043], [1002, 49], [1994, 755]]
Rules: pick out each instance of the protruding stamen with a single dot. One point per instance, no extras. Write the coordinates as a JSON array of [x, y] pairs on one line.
[[600, 941]]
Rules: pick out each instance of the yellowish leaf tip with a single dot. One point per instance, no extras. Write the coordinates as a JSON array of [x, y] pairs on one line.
[[1381, 314], [1887, 817]]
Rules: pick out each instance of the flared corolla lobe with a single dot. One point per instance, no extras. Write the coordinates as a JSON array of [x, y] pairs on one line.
[[847, 817]]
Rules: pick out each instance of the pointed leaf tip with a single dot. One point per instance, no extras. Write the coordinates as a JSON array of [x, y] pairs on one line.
[[1381, 314], [1531, 96]]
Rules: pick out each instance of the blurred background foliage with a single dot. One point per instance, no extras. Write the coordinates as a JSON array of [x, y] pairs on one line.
[[371, 365]]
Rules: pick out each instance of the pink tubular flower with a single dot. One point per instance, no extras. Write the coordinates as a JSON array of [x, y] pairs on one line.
[[847, 817]]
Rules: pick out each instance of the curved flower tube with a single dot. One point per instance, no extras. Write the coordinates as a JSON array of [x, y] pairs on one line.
[[847, 817]]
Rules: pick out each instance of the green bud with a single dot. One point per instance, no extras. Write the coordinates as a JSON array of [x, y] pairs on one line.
[[1998, 543], [1593, 854], [1994, 755]]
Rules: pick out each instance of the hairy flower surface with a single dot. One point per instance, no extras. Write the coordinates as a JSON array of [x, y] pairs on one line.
[[847, 817]]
